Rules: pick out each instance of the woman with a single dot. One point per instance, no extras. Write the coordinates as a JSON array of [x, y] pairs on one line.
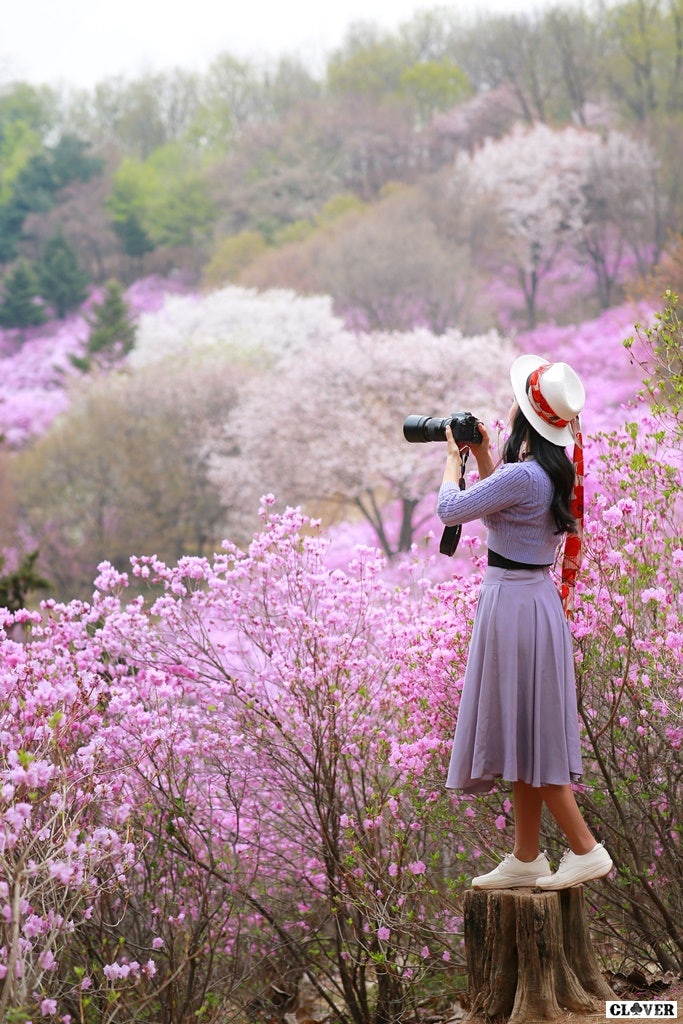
[[518, 718]]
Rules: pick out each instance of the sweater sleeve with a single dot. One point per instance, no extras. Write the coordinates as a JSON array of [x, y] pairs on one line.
[[498, 491]]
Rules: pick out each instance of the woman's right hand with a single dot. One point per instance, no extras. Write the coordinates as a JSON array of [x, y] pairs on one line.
[[482, 453], [480, 447]]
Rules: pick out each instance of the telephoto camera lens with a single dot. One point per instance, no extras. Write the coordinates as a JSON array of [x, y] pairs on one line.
[[420, 429]]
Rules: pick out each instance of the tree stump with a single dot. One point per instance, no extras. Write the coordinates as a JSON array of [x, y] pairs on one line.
[[529, 954]]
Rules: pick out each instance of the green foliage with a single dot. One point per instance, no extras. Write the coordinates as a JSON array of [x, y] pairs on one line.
[[70, 161], [38, 177], [658, 350], [63, 285], [248, 147], [161, 201], [184, 213], [434, 85], [231, 255], [296, 231], [19, 307], [26, 115], [139, 112], [16, 586], [339, 206], [18, 142], [127, 469], [134, 239], [232, 95], [33, 105], [31, 192], [133, 192], [641, 51], [35, 185], [289, 85], [112, 330], [370, 64]]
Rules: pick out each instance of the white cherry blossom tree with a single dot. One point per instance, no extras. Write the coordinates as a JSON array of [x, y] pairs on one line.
[[238, 321], [325, 430]]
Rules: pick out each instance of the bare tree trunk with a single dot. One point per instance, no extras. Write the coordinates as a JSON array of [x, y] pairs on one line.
[[577, 943], [529, 955]]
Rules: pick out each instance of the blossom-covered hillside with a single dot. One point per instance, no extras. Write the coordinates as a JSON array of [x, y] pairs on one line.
[[36, 371], [302, 407]]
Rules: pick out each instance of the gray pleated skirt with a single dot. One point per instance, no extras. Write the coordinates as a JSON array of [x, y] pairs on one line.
[[518, 719]]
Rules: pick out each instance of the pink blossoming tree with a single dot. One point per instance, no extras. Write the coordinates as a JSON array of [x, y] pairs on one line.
[[564, 192]]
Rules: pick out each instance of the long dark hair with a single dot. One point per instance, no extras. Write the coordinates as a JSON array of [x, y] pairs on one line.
[[553, 459]]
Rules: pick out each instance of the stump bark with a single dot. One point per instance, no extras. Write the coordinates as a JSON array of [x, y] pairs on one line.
[[529, 954]]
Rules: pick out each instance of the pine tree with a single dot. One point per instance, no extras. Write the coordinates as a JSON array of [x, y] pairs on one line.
[[19, 307], [112, 330], [16, 586], [134, 239], [63, 285]]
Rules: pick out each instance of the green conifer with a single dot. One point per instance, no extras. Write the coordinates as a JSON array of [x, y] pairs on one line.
[[134, 239], [112, 330], [19, 307], [63, 284], [16, 586]]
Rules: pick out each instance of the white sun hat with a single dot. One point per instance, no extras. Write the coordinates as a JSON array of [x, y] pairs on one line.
[[550, 395]]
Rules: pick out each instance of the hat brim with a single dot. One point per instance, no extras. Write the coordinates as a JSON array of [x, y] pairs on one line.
[[519, 374]]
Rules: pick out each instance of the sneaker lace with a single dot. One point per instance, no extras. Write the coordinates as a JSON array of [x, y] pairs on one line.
[[506, 860]]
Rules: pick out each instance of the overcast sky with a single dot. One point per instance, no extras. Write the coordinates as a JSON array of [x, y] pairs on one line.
[[81, 42]]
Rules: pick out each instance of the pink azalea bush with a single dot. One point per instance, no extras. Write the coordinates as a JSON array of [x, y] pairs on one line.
[[232, 787], [630, 680], [247, 769]]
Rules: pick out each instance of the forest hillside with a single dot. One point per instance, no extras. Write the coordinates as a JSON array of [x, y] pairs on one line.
[[231, 656], [390, 179]]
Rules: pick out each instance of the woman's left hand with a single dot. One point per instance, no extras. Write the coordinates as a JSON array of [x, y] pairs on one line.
[[453, 458], [453, 448]]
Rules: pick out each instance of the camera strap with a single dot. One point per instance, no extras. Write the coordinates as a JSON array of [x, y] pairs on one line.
[[450, 538]]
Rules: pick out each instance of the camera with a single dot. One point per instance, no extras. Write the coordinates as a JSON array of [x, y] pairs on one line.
[[464, 425]]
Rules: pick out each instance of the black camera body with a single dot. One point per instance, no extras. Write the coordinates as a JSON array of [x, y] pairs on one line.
[[464, 426]]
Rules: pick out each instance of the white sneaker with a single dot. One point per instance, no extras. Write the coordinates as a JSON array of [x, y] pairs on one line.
[[512, 873], [576, 868]]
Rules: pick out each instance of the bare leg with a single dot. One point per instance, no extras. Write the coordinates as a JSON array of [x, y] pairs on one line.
[[528, 802], [561, 803]]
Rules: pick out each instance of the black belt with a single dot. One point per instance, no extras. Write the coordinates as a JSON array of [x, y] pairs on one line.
[[501, 562]]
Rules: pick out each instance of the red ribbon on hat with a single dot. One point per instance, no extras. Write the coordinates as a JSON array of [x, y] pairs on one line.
[[573, 542], [538, 402]]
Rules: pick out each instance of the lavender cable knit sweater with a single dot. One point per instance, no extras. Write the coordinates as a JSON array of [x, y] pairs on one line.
[[514, 505]]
